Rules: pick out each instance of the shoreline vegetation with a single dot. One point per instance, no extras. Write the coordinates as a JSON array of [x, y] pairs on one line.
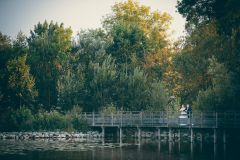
[[48, 135], [65, 135], [24, 119]]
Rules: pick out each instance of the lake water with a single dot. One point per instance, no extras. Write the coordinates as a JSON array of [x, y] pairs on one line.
[[109, 149]]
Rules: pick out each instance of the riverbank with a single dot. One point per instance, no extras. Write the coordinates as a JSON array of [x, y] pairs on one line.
[[62, 135], [51, 135], [89, 135]]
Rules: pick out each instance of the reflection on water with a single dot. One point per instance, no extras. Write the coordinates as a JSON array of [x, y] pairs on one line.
[[98, 149]]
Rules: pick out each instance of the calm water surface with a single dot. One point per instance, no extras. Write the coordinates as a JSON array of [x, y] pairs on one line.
[[96, 149]]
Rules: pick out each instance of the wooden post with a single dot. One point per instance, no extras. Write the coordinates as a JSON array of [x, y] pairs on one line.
[[103, 141], [215, 135], [121, 118], [178, 122], [201, 140], [224, 136], [191, 137], [112, 118], [179, 146], [191, 118], [120, 138], [139, 135], [216, 117], [103, 132], [103, 119], [131, 119], [93, 118], [191, 150], [170, 134], [159, 146], [167, 119], [159, 134], [151, 118], [170, 146], [161, 118], [179, 135]]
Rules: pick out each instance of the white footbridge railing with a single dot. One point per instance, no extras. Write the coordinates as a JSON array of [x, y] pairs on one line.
[[163, 119]]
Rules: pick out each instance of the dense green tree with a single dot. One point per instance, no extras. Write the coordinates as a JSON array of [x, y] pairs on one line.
[[49, 47], [192, 61], [139, 35], [20, 45], [137, 85], [225, 12], [21, 83], [70, 88], [128, 43], [218, 96], [136, 92], [5, 53], [89, 56], [153, 23], [21, 120], [103, 82], [213, 30], [159, 98], [18, 82], [90, 46]]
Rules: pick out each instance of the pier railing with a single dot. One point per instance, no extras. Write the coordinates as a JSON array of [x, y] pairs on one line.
[[164, 119]]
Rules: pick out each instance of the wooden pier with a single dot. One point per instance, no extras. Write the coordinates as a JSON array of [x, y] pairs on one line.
[[165, 120]]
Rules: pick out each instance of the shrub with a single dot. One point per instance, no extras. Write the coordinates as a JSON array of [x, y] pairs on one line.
[[109, 108], [6, 122], [80, 124], [22, 119], [52, 120]]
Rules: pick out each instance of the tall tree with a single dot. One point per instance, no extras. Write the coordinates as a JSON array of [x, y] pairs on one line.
[[49, 46], [5, 54], [102, 84], [213, 30], [138, 34], [134, 91], [129, 42], [191, 62], [225, 12], [219, 95], [70, 87], [153, 23], [88, 71], [20, 83], [20, 45]]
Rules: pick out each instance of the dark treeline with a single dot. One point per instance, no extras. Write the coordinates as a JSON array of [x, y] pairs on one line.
[[128, 64], [209, 60]]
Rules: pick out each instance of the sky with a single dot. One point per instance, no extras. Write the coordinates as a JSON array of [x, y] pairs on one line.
[[16, 15]]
